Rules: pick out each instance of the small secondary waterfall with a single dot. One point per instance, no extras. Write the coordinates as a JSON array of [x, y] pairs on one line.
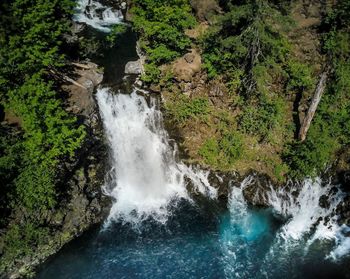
[[308, 218], [145, 178], [96, 15], [253, 248]]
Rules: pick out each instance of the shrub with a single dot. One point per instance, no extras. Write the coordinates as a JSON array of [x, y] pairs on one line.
[[162, 26], [262, 119], [222, 153], [299, 76], [182, 108]]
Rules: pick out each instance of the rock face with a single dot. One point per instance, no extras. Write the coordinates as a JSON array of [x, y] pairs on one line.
[[133, 68], [80, 94], [82, 203]]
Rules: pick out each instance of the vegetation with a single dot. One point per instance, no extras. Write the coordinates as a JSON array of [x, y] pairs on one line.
[[161, 24], [31, 50], [223, 153], [249, 49], [182, 108], [330, 129], [31, 57]]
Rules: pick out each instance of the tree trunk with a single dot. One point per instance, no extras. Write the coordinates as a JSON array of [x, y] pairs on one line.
[[314, 104], [66, 78]]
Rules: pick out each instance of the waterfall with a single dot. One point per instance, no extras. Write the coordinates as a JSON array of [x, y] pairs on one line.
[[308, 216], [274, 242], [97, 15], [145, 177]]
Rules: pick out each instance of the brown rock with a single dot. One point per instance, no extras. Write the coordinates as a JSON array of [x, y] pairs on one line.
[[187, 66]]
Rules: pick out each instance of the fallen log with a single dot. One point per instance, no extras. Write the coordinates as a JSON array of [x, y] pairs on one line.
[[66, 78], [83, 66], [314, 104]]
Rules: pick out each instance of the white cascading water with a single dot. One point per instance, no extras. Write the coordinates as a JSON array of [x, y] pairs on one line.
[[97, 15], [307, 218], [305, 223], [145, 177]]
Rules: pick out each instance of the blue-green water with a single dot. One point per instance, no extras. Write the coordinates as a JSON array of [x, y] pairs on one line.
[[195, 243]]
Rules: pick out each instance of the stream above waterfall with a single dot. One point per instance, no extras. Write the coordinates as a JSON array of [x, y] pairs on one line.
[[166, 220]]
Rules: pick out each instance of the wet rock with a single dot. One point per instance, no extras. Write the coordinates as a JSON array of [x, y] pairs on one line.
[[88, 84], [123, 5], [255, 192], [344, 178], [324, 202], [80, 94], [138, 83], [133, 67]]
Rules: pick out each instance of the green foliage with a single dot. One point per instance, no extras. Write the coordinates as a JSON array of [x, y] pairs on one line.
[[263, 118], [20, 240], [224, 152], [246, 40], [161, 24], [330, 129], [116, 32], [152, 73], [49, 134], [32, 45], [182, 108], [299, 76], [210, 152], [311, 157]]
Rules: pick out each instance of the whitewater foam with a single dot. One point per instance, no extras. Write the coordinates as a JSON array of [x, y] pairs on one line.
[[306, 218], [97, 15], [145, 178]]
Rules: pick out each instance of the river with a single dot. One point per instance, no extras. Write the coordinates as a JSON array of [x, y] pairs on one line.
[[166, 220]]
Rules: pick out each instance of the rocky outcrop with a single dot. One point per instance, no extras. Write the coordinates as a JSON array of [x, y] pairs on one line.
[[133, 68], [187, 66], [81, 202], [80, 98]]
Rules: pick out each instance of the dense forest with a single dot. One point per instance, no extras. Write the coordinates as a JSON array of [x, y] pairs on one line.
[[241, 111], [31, 57]]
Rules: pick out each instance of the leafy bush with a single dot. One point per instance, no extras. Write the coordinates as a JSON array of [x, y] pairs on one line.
[[182, 108], [20, 240], [224, 152], [311, 157], [246, 40], [299, 76], [117, 30], [32, 47], [210, 152], [262, 119]]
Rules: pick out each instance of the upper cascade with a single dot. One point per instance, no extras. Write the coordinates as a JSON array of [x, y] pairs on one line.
[[96, 15]]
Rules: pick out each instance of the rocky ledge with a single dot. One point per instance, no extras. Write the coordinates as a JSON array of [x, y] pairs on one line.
[[81, 201]]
